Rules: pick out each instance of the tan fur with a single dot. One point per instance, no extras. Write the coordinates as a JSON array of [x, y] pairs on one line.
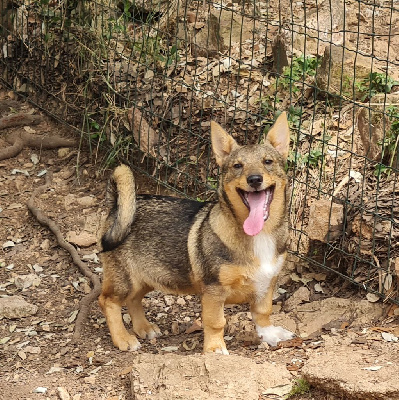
[[181, 247]]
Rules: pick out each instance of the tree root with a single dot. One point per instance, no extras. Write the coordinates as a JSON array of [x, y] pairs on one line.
[[19, 140], [84, 306]]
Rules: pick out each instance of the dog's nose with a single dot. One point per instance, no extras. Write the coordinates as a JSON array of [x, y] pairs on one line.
[[255, 180]]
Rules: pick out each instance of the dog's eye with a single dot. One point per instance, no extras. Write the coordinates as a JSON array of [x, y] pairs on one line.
[[268, 162], [237, 166]]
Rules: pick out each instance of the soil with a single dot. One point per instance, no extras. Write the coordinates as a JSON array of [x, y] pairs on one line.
[[38, 351]]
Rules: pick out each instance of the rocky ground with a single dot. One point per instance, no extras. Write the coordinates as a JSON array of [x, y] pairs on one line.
[[346, 347]]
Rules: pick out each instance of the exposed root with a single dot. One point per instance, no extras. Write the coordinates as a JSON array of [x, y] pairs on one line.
[[85, 303], [19, 140]]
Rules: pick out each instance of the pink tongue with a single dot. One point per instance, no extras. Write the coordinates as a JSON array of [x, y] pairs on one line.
[[254, 223]]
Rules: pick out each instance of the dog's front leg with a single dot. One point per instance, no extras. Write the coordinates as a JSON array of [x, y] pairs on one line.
[[214, 321], [261, 310]]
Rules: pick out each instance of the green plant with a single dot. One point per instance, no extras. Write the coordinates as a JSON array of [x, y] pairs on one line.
[[300, 68], [373, 83], [390, 142], [301, 387]]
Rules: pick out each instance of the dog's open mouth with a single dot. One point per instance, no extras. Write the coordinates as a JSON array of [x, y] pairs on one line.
[[258, 203]]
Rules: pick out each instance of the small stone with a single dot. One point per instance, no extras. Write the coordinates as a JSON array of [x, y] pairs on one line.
[[45, 245], [63, 152], [26, 281], [175, 328], [40, 389], [83, 239], [63, 393], [86, 201], [180, 301], [13, 307], [325, 220], [90, 379], [169, 300]]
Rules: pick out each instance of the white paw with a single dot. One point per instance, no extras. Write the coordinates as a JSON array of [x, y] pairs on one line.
[[273, 334], [221, 351]]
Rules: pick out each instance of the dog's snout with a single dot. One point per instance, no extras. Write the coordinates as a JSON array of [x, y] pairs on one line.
[[255, 180]]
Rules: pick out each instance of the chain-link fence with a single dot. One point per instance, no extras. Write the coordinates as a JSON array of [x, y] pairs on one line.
[[149, 76]]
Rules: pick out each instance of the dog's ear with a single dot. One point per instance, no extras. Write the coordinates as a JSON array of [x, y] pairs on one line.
[[222, 143], [279, 135]]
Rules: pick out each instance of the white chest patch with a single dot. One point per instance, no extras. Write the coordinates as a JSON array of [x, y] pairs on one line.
[[270, 262]]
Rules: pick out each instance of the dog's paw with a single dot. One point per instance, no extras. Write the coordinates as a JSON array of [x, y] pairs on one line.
[[147, 330], [127, 343], [273, 334], [215, 346]]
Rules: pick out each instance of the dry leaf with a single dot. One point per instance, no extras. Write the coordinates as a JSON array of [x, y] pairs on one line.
[[196, 326], [374, 368], [389, 337], [372, 298], [143, 134], [388, 282], [190, 344]]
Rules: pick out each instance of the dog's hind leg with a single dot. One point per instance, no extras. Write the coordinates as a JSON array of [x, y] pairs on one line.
[[141, 326], [112, 307], [214, 322]]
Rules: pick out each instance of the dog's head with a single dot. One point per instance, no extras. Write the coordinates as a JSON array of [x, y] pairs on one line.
[[253, 180]]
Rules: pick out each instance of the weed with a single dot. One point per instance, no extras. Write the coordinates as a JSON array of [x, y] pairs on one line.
[[390, 142], [373, 83], [301, 386], [300, 68]]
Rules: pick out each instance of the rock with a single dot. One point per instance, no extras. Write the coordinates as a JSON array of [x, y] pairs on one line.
[[332, 312], [321, 26], [13, 307], [63, 393], [45, 245], [340, 66], [322, 226], [208, 42], [63, 152], [68, 201], [86, 201], [279, 50], [373, 125], [297, 298], [338, 373], [26, 281], [83, 239], [199, 377]]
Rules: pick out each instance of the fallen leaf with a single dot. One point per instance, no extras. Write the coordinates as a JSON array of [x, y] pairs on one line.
[[170, 348], [318, 288], [196, 326], [40, 389], [372, 298], [143, 133], [63, 394], [34, 158], [374, 368], [190, 344], [4, 340], [388, 282], [126, 370], [19, 171], [280, 390], [389, 337], [73, 316]]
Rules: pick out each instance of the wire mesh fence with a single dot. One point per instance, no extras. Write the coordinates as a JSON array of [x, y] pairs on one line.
[[149, 76]]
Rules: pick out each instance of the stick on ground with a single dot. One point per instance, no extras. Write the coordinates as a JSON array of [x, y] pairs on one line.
[[84, 306]]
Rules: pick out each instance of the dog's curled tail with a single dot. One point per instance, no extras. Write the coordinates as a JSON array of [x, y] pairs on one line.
[[124, 208]]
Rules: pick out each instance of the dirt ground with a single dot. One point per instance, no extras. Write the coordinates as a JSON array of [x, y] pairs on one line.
[[37, 351]]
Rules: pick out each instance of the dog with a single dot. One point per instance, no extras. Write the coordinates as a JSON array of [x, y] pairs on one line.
[[228, 251]]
